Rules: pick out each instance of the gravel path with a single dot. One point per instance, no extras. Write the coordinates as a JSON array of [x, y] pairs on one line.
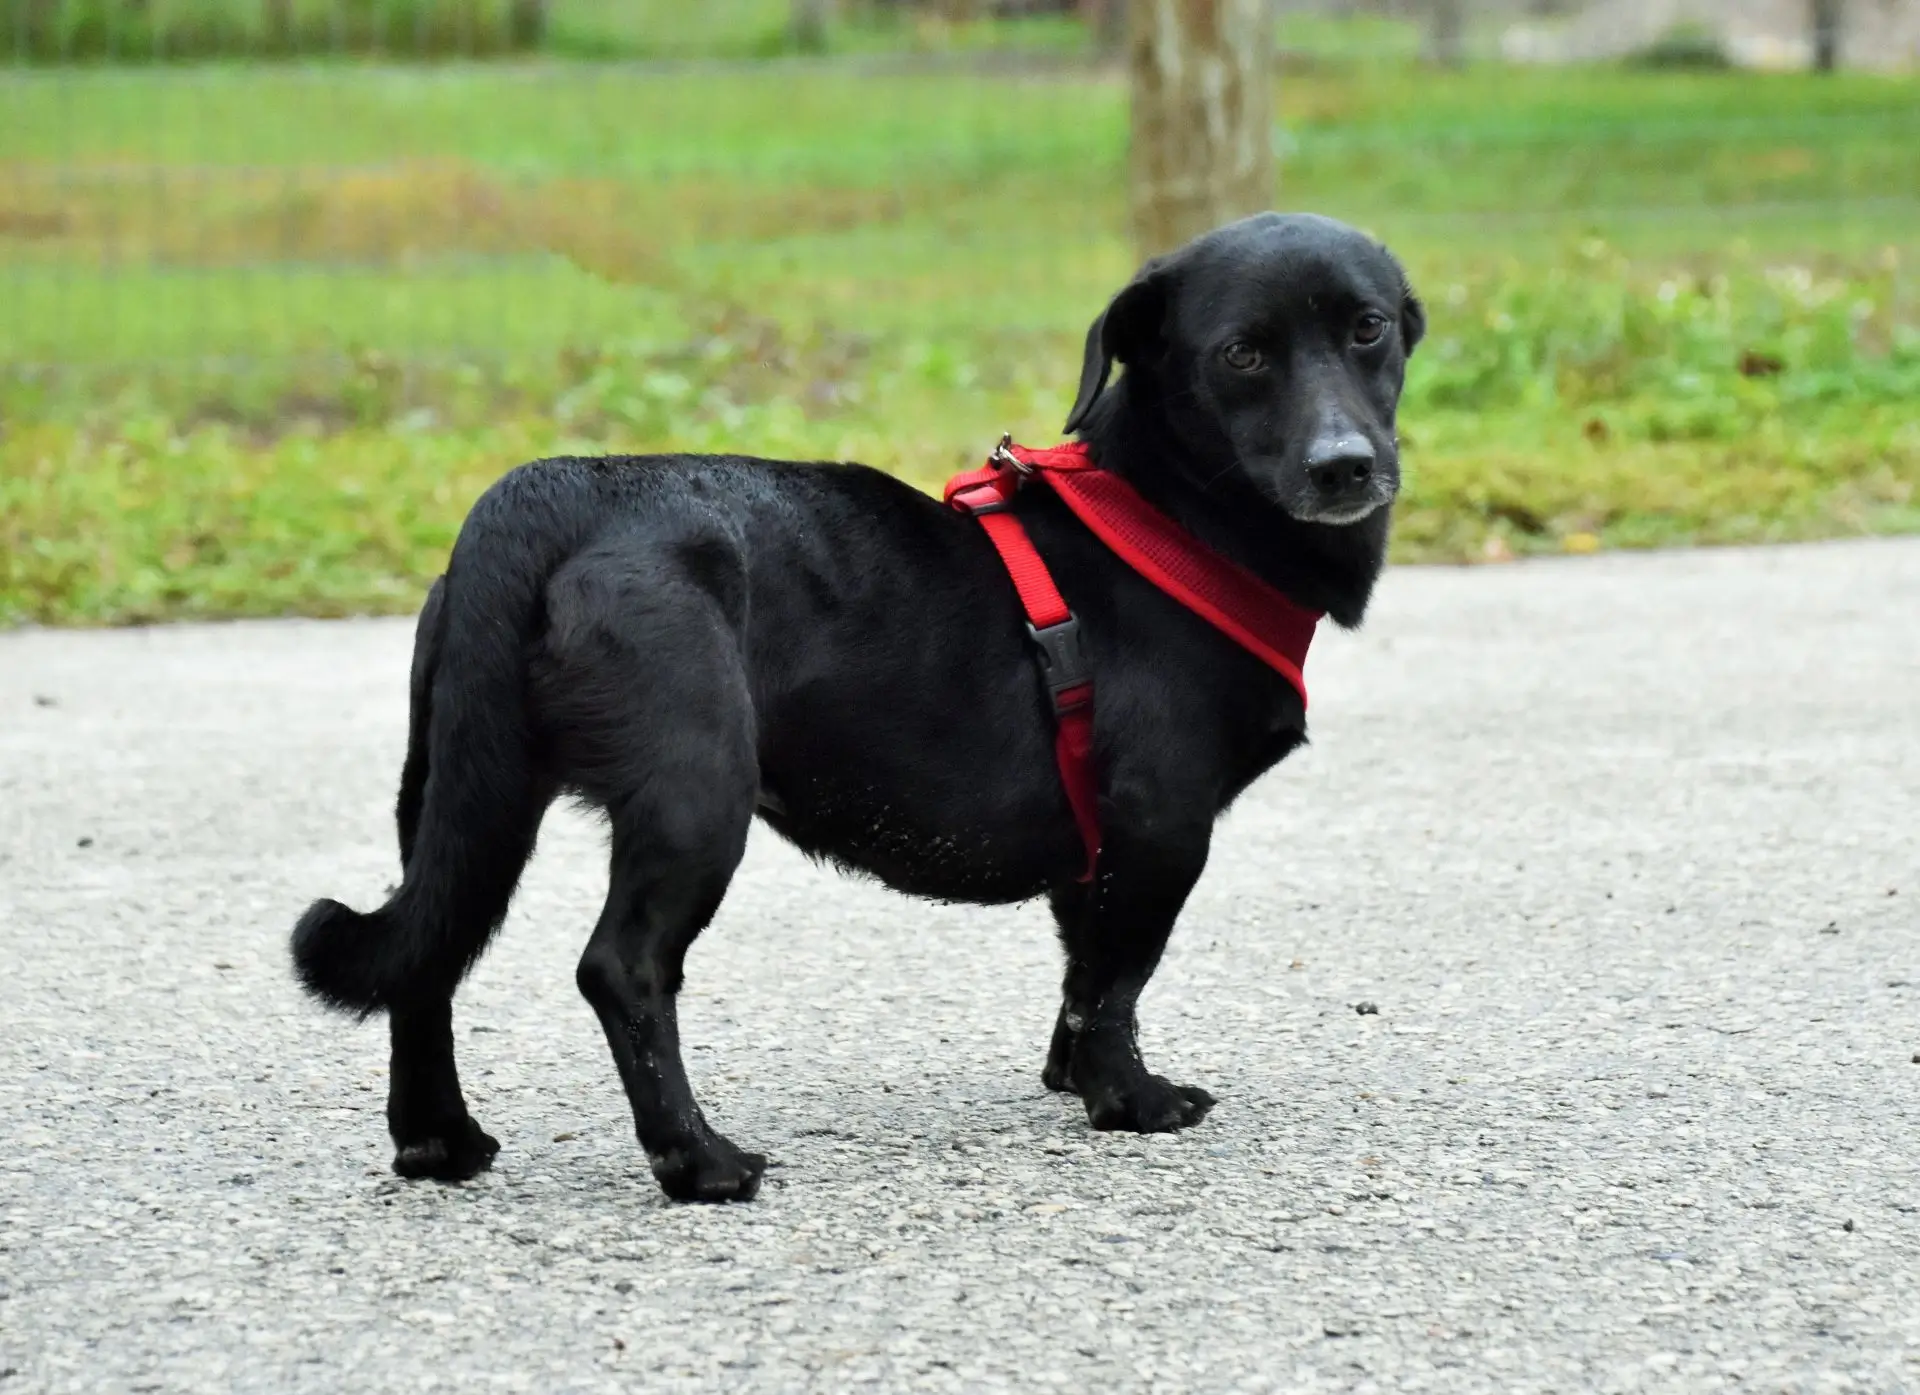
[[1624, 851]]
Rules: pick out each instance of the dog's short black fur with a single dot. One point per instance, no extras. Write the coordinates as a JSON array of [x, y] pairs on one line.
[[686, 641]]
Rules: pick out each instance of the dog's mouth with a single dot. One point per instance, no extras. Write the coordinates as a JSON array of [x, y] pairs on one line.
[[1343, 514]]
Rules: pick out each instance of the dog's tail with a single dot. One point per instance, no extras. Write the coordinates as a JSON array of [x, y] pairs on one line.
[[471, 797]]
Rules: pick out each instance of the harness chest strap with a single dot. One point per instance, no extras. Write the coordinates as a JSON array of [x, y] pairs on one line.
[[1056, 632], [1235, 601]]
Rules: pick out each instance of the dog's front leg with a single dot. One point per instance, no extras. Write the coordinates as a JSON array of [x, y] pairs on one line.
[[1114, 930]]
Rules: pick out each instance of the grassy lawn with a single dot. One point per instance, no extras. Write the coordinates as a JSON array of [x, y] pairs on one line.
[[266, 332], [176, 31]]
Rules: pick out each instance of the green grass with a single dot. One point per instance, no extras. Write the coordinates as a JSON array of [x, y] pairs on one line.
[[267, 332], [115, 31], [176, 31], [671, 28]]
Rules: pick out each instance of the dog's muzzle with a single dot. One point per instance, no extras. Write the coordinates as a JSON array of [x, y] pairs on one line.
[[1345, 480]]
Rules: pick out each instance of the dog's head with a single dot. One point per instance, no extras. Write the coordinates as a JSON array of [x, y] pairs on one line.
[[1273, 348]]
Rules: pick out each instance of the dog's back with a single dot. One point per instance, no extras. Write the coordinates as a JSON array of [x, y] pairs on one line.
[[742, 634]]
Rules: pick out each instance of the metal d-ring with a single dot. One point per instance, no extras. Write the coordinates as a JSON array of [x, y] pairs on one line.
[[1003, 455]]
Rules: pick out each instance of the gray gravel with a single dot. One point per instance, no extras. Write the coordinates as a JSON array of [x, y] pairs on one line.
[[1623, 850]]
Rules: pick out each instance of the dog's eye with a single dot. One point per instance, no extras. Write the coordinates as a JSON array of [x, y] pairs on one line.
[[1368, 328], [1242, 356]]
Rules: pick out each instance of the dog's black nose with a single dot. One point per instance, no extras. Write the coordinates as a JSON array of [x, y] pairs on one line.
[[1337, 464]]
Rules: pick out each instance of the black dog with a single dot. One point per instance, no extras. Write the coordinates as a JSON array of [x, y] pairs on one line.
[[686, 641]]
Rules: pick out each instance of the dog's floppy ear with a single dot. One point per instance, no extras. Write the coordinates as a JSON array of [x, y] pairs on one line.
[[1413, 319], [1131, 319]]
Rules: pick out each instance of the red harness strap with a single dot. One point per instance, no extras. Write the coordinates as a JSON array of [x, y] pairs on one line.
[[1228, 596], [985, 494]]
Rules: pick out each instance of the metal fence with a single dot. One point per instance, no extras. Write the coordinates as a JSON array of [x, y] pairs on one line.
[[502, 178]]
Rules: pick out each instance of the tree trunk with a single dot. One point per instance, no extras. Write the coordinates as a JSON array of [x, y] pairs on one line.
[[1447, 32], [1202, 120], [527, 23], [810, 19], [1106, 22], [1826, 35], [279, 26]]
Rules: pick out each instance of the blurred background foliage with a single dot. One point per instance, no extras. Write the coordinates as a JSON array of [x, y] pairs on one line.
[[285, 283]]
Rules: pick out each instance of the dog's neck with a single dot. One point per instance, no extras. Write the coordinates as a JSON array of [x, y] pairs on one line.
[[1316, 565]]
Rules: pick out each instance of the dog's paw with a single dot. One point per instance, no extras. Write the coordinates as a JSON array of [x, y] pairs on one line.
[[461, 1152], [1058, 1072], [1149, 1104], [1059, 1077], [713, 1170]]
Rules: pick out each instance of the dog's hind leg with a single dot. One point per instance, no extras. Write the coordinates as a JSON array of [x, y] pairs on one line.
[[675, 847], [648, 697], [470, 806], [1114, 932], [433, 1134]]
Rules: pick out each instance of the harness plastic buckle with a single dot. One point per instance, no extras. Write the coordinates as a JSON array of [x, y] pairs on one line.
[[1063, 667], [980, 499]]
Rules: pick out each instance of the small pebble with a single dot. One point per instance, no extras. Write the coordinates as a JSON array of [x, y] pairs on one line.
[[1367, 1009]]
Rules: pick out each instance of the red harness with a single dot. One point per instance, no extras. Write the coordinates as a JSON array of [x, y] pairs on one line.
[[1228, 596]]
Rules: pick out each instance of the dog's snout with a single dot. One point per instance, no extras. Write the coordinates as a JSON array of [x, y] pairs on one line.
[[1336, 464]]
